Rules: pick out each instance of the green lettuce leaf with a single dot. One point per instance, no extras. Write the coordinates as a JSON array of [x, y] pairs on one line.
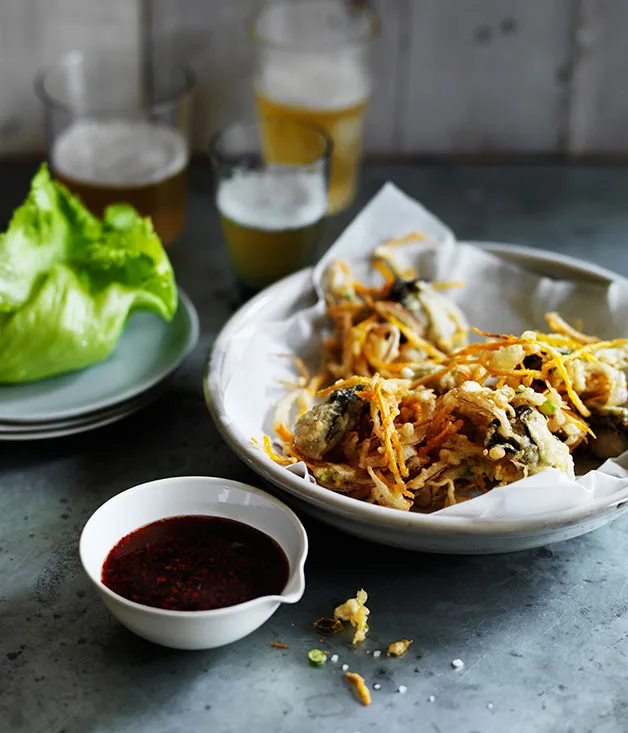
[[68, 282], [38, 236], [128, 253]]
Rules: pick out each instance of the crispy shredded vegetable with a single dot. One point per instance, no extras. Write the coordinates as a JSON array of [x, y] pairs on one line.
[[407, 414], [358, 685], [354, 611], [397, 648]]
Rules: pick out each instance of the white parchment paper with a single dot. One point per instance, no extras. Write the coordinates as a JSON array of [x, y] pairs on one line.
[[498, 297]]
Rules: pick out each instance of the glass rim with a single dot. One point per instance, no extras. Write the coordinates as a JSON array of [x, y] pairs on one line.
[[253, 19], [214, 153], [71, 57]]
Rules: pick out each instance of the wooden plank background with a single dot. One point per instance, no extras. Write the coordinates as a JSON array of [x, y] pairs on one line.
[[451, 77], [34, 33]]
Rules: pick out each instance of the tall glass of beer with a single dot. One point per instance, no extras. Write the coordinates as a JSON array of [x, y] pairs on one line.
[[271, 201], [118, 131], [312, 64]]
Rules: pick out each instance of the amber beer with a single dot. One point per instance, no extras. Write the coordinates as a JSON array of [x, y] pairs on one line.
[[271, 220], [328, 94], [143, 164]]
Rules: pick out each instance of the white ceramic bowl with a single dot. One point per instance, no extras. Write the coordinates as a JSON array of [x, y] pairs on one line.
[[409, 530], [186, 495]]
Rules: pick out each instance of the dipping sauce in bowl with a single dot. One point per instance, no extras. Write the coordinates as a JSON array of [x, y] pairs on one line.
[[195, 563]]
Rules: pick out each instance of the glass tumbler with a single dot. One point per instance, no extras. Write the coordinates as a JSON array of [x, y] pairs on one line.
[[271, 202], [312, 64], [117, 131]]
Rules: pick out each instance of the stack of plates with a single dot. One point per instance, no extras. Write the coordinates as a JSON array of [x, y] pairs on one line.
[[134, 376]]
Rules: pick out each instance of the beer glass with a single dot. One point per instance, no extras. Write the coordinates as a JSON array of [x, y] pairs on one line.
[[271, 202], [117, 131], [312, 64]]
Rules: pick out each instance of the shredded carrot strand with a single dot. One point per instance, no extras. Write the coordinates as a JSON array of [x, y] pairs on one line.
[[411, 237], [558, 363], [342, 384], [590, 349], [560, 326], [388, 431], [268, 449], [382, 267], [447, 284], [283, 432]]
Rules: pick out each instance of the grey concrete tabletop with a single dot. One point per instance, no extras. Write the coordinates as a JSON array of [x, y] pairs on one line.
[[543, 634]]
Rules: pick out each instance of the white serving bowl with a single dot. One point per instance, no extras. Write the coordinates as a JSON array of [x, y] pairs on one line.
[[186, 495], [408, 530]]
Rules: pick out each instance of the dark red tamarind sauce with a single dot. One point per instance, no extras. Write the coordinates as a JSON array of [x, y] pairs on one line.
[[195, 563]]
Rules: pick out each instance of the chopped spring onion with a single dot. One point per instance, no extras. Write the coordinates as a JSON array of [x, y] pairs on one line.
[[317, 657], [548, 408]]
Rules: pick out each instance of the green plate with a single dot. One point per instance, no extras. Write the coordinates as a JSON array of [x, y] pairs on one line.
[[148, 351]]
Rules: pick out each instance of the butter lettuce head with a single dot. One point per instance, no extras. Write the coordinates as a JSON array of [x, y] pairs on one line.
[[68, 282]]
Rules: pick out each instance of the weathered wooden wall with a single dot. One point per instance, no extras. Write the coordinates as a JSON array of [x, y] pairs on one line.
[[35, 32], [451, 76]]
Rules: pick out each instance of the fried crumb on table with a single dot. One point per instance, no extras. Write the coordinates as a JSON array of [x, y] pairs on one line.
[[278, 645], [397, 648], [355, 611], [359, 687]]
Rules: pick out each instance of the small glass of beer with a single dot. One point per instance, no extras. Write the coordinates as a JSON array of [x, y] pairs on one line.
[[312, 64], [271, 201], [117, 131]]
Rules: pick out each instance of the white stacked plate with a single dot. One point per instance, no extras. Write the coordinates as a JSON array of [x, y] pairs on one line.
[[134, 376]]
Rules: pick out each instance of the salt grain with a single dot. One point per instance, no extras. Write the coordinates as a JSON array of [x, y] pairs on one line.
[[490, 706], [334, 657], [457, 664], [402, 689], [431, 698], [377, 686], [345, 667], [377, 654]]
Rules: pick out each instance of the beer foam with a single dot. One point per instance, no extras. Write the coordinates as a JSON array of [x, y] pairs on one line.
[[274, 199], [325, 82], [118, 152]]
